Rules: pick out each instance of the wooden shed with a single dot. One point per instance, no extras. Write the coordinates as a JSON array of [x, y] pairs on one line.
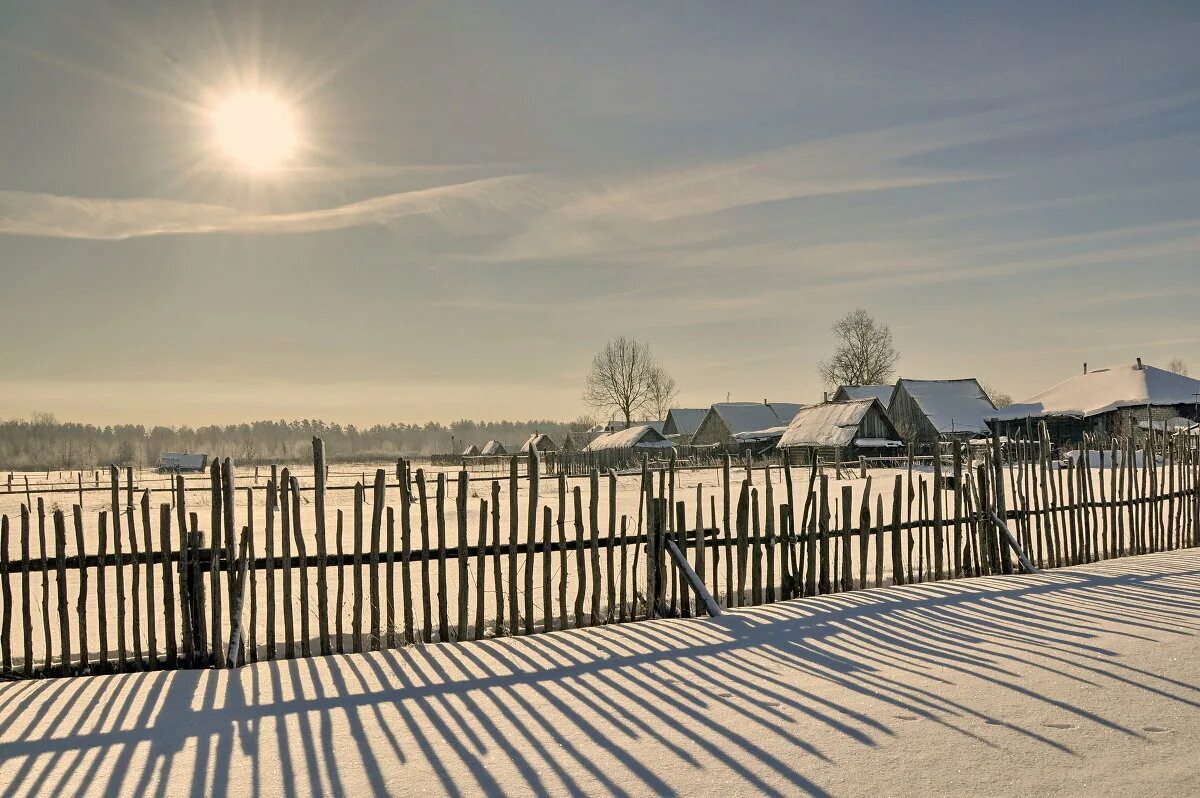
[[844, 430], [493, 448], [927, 411], [541, 442], [471, 451]]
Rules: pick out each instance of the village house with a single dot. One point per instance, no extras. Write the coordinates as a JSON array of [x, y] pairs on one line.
[[541, 442], [740, 425], [841, 430], [640, 437], [1107, 403], [493, 448], [928, 411], [681, 423]]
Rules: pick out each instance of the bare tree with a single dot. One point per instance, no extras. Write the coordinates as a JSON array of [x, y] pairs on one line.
[[864, 355], [1178, 366], [999, 398], [621, 378], [662, 393]]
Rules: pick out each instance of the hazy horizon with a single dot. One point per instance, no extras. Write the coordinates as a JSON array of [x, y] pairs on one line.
[[481, 197]]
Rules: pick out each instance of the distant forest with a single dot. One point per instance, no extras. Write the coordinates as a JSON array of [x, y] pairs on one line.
[[45, 443]]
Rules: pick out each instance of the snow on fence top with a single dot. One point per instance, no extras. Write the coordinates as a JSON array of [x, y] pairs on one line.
[[952, 405], [827, 425], [641, 437], [1104, 390]]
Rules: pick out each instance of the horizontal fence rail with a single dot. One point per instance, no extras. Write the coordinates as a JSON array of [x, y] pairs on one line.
[[243, 573]]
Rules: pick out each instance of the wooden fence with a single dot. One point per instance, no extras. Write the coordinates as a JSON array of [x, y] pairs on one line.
[[155, 587]]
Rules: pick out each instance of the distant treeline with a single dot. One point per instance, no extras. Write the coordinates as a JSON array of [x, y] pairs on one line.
[[45, 443]]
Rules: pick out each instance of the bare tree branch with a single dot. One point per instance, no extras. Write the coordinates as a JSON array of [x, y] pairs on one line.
[[864, 355]]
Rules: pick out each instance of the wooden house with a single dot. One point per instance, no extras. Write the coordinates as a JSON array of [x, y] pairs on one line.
[[493, 448], [734, 425], [1107, 403], [640, 437], [181, 461], [842, 430], [928, 411], [471, 451], [541, 442], [682, 422]]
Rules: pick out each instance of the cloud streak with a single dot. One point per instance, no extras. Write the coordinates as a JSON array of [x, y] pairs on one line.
[[469, 207]]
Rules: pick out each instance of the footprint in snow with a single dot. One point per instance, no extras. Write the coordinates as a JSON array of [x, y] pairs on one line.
[[1060, 725], [907, 717], [1155, 729]]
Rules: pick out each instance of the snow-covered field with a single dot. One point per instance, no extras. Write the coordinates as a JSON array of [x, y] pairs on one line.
[[1081, 681]]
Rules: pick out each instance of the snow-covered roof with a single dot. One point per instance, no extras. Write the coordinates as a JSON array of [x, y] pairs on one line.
[[640, 437], [952, 405], [471, 451], [685, 419], [751, 436], [1103, 390], [881, 392], [493, 447], [755, 416], [540, 441], [830, 424]]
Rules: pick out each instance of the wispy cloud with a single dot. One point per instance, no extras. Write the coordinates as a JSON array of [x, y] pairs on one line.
[[467, 207]]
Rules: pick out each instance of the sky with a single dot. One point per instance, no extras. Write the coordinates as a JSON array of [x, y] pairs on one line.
[[483, 194]]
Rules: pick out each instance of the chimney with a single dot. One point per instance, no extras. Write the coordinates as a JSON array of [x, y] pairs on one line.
[[1085, 367], [764, 401], [1139, 366], [824, 397]]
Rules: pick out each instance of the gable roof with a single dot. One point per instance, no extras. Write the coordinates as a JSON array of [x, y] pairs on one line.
[[683, 420], [493, 447], [881, 392], [830, 424], [640, 437], [951, 405], [471, 451], [540, 441], [1103, 390], [742, 417]]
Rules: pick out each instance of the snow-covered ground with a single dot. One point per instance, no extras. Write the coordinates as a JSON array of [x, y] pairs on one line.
[[1082, 681]]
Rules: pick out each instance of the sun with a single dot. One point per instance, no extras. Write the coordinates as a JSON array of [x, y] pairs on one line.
[[255, 129]]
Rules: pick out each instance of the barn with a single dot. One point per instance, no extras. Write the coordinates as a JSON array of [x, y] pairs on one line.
[[640, 437], [683, 421], [493, 448], [883, 393], [927, 411], [731, 424], [541, 442], [471, 451], [1110, 402], [843, 430]]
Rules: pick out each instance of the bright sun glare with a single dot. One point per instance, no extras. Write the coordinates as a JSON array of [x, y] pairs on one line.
[[254, 128]]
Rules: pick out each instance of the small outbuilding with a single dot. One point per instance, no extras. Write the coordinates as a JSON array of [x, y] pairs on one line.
[[640, 437], [845, 429], [928, 411], [471, 451], [493, 448], [181, 461], [541, 442]]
